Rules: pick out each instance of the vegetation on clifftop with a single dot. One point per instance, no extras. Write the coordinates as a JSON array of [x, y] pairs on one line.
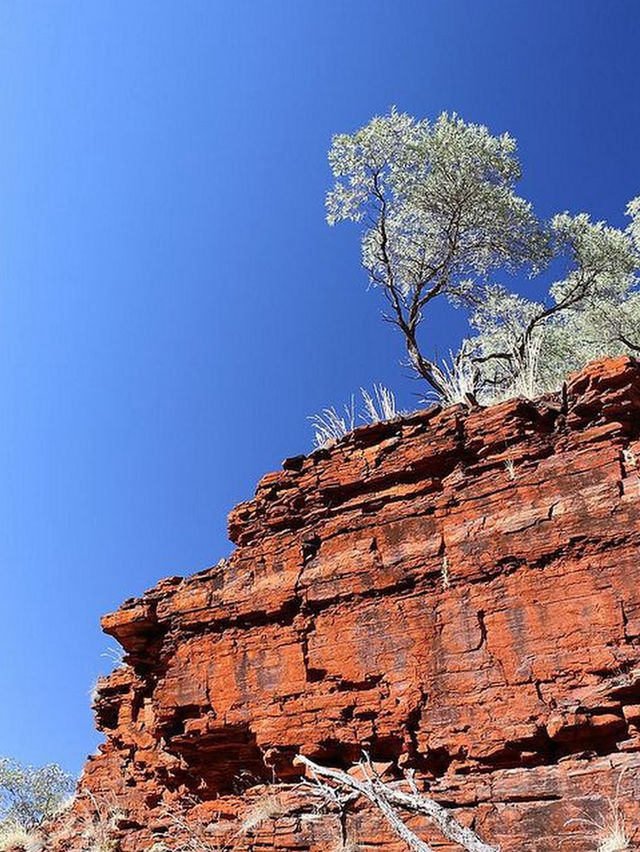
[[442, 220]]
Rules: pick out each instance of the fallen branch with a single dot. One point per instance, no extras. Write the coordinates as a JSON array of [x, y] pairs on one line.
[[387, 799]]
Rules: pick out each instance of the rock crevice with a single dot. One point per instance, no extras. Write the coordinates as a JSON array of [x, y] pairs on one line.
[[457, 591]]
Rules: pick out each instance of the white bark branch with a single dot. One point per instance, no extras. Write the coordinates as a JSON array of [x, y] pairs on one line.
[[387, 799]]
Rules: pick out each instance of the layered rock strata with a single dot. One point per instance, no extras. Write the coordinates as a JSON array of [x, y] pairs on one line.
[[456, 591]]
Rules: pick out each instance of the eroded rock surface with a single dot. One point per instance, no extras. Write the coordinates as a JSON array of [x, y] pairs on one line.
[[457, 591]]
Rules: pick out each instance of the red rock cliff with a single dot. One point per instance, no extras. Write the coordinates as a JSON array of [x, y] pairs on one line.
[[456, 591]]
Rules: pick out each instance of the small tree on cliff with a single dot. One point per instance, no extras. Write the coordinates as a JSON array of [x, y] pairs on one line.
[[441, 217], [440, 210]]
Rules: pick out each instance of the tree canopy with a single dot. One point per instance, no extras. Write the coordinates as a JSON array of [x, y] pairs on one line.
[[441, 219], [29, 795]]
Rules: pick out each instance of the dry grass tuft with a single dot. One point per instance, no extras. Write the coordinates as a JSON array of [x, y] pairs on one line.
[[98, 827], [610, 827], [613, 835], [14, 835], [330, 424], [266, 807]]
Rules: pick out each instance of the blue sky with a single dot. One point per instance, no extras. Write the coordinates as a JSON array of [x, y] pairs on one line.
[[172, 303]]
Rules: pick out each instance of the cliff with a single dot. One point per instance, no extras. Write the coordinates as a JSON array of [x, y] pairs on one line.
[[456, 591]]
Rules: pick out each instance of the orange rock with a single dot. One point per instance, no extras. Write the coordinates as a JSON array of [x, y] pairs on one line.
[[457, 592]]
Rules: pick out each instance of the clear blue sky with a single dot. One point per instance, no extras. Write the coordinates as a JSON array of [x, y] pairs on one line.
[[172, 304]]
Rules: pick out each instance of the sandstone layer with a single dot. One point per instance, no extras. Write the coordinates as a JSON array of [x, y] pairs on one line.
[[456, 591]]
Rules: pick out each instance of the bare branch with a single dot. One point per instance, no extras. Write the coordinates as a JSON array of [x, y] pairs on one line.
[[386, 798]]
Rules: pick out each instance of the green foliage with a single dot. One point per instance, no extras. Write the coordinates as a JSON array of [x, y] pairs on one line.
[[592, 312], [441, 218], [28, 795]]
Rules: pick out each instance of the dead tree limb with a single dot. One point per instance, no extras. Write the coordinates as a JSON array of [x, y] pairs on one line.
[[387, 799], [366, 789]]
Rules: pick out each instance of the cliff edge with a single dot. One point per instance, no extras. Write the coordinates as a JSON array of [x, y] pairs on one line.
[[456, 591]]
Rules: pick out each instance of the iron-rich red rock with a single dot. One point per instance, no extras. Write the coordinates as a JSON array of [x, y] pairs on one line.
[[456, 591]]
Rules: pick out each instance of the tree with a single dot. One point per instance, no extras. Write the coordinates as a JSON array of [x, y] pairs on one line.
[[442, 219], [594, 310], [633, 211], [440, 212], [28, 796]]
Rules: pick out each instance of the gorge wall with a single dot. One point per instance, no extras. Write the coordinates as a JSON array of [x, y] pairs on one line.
[[456, 591]]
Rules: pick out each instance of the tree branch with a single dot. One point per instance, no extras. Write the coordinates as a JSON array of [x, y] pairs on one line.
[[387, 798]]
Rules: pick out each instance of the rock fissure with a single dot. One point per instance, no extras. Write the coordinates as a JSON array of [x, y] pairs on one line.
[[457, 592]]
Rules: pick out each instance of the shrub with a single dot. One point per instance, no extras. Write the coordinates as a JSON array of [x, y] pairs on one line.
[[29, 796], [13, 835]]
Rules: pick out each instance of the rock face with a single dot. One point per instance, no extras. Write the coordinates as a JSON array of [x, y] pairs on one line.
[[457, 591]]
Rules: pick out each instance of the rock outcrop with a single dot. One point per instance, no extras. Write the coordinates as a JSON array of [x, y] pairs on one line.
[[456, 591]]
